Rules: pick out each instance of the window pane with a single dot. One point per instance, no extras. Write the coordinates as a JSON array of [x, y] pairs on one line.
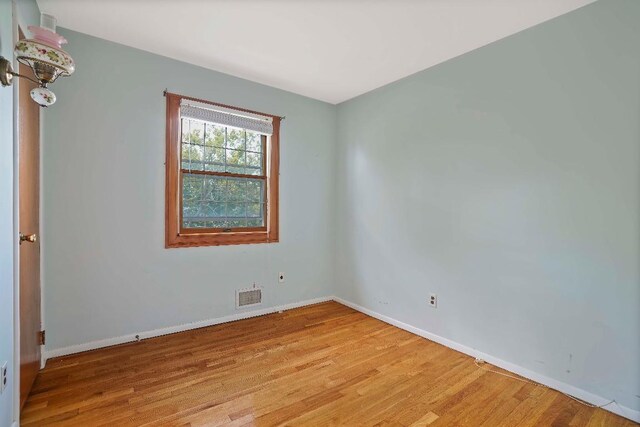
[[236, 190], [191, 210], [214, 148], [235, 161], [218, 201], [214, 159], [254, 191], [190, 188], [254, 210], [236, 222], [254, 142], [195, 134], [192, 157], [255, 222], [214, 136], [235, 157], [186, 156], [254, 164], [195, 224], [236, 139], [184, 126], [216, 189], [236, 210], [222, 202], [218, 223]]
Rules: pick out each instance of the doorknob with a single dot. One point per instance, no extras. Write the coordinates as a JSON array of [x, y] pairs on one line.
[[31, 238]]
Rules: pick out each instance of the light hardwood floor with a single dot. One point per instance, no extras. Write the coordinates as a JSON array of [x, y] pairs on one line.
[[324, 364]]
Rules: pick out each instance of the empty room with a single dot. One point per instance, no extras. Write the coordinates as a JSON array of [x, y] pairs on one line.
[[319, 213]]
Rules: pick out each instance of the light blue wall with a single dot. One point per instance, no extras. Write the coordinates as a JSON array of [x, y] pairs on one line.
[[507, 181], [106, 271]]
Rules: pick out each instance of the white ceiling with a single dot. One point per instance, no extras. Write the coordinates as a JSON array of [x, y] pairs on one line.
[[330, 50]]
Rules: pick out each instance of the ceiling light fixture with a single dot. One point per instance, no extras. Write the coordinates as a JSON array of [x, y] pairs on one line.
[[44, 55]]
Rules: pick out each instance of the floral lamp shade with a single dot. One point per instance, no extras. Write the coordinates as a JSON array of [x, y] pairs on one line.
[[44, 55]]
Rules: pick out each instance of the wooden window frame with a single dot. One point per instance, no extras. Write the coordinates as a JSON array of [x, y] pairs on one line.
[[176, 236]]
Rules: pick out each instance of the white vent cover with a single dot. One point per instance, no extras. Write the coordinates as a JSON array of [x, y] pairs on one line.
[[248, 297]]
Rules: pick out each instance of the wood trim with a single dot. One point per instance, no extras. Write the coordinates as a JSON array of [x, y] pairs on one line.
[[204, 230], [273, 183], [178, 237], [265, 211], [219, 239], [224, 174], [172, 164]]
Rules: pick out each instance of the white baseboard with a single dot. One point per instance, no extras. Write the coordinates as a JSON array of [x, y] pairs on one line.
[[560, 386], [64, 351]]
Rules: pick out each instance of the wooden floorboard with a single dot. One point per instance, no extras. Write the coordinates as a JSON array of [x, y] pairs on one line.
[[319, 365]]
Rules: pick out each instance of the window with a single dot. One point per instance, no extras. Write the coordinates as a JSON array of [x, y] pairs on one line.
[[222, 174]]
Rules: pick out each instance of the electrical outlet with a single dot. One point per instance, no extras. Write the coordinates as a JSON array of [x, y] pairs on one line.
[[3, 377], [281, 277], [433, 300]]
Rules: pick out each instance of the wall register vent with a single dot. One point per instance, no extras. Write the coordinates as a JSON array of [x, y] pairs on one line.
[[248, 297]]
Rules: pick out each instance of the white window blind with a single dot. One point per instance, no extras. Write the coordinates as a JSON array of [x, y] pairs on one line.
[[226, 116]]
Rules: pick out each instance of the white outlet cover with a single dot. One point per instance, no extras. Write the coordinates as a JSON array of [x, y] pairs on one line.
[[281, 277], [3, 377], [433, 300]]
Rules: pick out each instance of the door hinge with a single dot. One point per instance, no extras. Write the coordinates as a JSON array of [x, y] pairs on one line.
[[42, 337]]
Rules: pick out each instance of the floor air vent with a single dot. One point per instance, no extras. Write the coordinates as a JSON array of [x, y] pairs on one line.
[[248, 297]]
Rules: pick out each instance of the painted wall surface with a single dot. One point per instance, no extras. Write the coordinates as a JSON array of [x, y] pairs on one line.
[[507, 181], [106, 270]]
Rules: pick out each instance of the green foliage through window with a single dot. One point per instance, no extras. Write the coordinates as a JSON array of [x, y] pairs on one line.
[[215, 148], [209, 198]]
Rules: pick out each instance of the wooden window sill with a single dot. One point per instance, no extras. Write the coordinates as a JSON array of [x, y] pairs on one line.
[[219, 239]]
